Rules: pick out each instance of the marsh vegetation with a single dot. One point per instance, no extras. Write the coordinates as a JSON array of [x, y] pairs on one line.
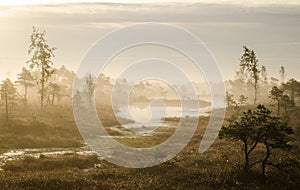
[[41, 147]]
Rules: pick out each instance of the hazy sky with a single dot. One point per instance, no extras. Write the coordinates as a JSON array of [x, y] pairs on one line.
[[244, 2], [271, 28]]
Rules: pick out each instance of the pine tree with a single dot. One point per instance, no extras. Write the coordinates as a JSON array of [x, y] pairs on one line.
[[8, 96]]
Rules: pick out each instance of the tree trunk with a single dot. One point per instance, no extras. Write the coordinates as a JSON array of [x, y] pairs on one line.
[[6, 107], [42, 96], [263, 170], [43, 86], [278, 108], [263, 163], [25, 94], [53, 95], [48, 101], [246, 158], [285, 108], [292, 95], [255, 92]]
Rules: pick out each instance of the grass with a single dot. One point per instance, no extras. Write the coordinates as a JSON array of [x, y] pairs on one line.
[[221, 167], [45, 163], [36, 134], [218, 168]]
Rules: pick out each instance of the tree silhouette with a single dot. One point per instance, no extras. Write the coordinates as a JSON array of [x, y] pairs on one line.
[[275, 136], [276, 94], [26, 80], [282, 74], [54, 90], [274, 81], [41, 57], [77, 98], [89, 86], [243, 100], [8, 95], [264, 75], [250, 63], [287, 103], [229, 99], [258, 127], [246, 131], [293, 88]]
